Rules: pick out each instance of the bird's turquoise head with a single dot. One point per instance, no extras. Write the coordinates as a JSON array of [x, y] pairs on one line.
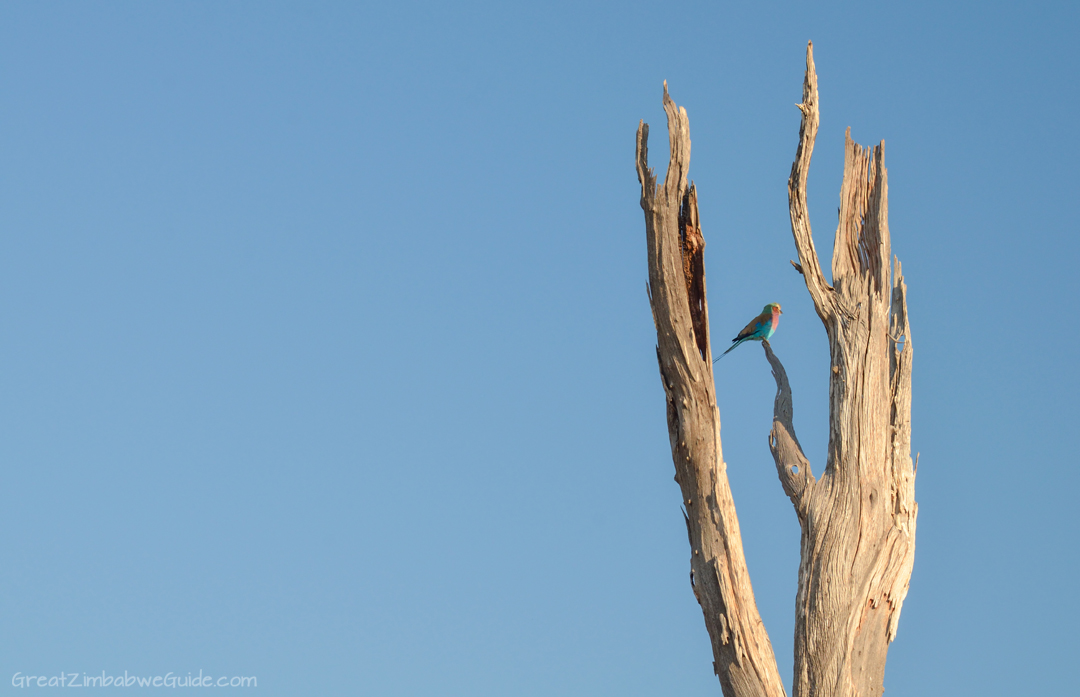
[[772, 309]]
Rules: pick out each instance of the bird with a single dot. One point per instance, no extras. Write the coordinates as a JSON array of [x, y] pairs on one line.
[[761, 328]]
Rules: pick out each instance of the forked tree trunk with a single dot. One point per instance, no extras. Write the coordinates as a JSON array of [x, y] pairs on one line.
[[858, 520]]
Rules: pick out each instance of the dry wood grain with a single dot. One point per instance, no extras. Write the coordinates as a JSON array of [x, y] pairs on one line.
[[858, 520], [743, 655]]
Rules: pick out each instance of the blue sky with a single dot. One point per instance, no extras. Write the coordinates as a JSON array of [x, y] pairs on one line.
[[325, 355]]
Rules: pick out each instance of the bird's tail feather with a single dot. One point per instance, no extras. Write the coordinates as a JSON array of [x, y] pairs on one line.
[[730, 349]]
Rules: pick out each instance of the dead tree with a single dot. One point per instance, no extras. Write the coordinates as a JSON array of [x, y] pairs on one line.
[[858, 519]]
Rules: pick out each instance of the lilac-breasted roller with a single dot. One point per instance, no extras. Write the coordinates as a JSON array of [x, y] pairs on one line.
[[761, 328]]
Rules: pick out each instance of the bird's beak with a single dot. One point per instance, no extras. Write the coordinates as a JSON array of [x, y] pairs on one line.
[[780, 311]]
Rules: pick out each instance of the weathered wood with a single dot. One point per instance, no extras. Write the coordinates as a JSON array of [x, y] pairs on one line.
[[743, 655], [858, 520]]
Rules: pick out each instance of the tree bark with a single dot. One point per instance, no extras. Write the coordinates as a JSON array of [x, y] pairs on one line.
[[743, 655], [858, 520]]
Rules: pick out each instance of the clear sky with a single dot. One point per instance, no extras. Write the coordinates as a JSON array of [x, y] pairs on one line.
[[325, 354]]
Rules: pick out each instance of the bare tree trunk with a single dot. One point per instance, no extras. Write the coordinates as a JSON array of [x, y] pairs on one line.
[[858, 520], [743, 655]]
